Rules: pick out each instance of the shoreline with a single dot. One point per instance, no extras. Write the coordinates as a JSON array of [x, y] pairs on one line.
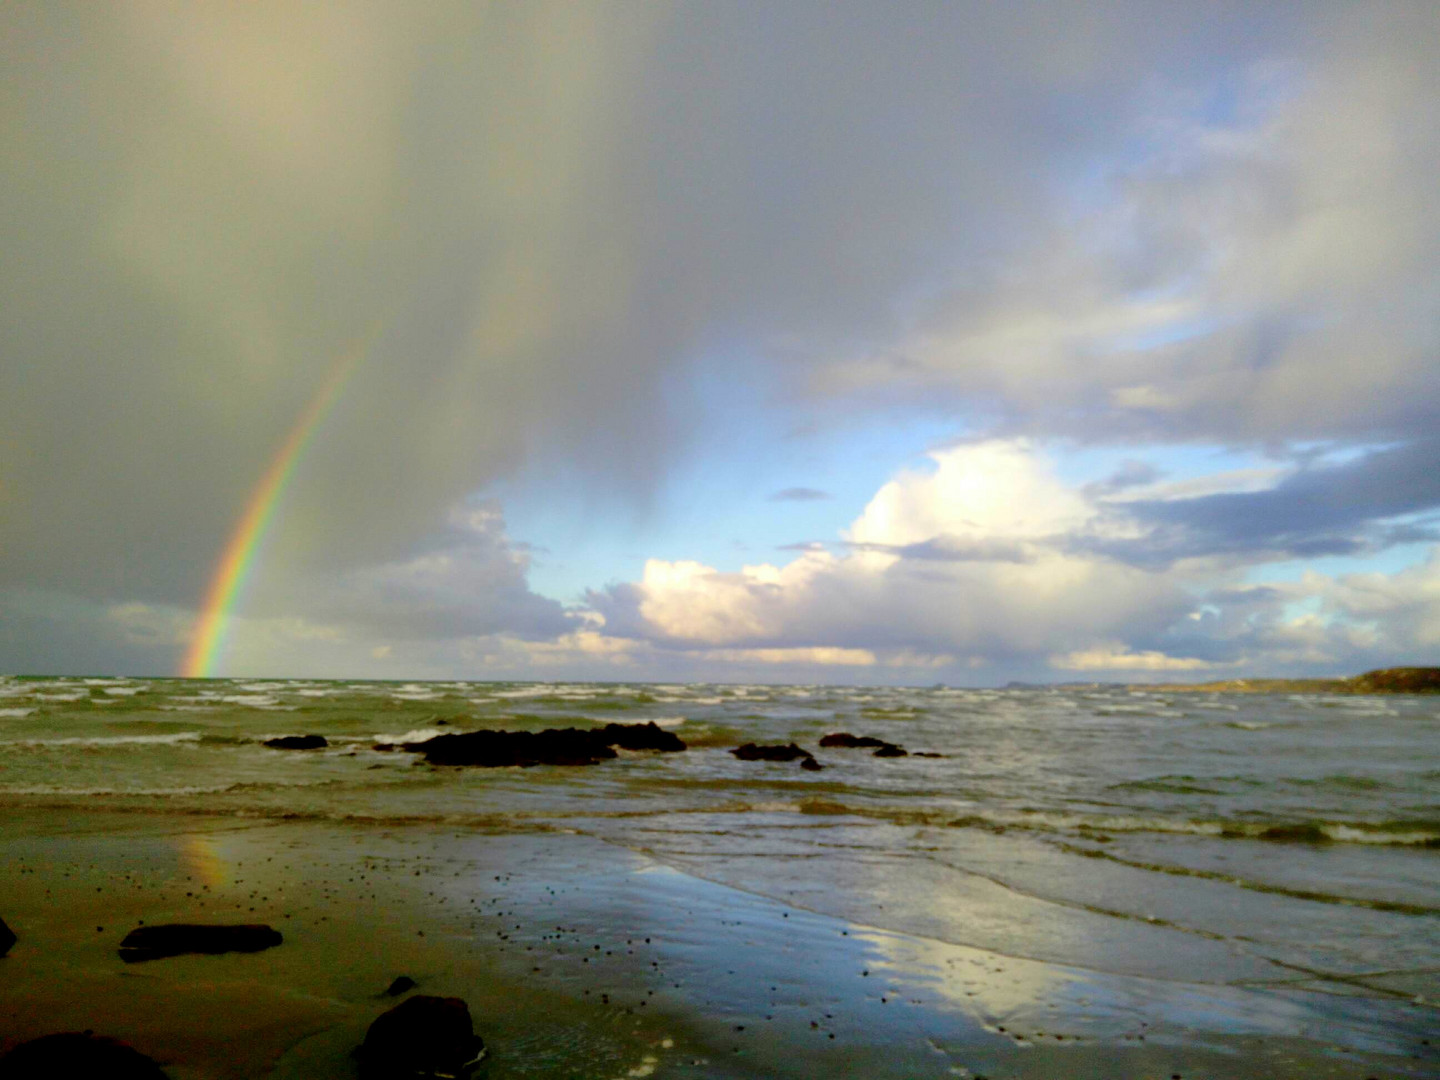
[[579, 957]]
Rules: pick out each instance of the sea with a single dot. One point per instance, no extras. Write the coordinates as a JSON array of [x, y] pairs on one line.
[[1249, 839]]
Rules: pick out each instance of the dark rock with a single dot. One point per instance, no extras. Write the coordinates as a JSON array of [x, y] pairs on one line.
[[7, 938], [554, 746], [402, 984], [648, 736], [156, 942], [809, 764], [84, 1056], [751, 752], [423, 1036], [845, 740], [926, 753], [298, 742]]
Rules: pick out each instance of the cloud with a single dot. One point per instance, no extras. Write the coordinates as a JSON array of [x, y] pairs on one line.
[[823, 655], [470, 580], [799, 494], [1140, 223], [892, 596], [1116, 657], [1317, 509], [1258, 266], [990, 563]]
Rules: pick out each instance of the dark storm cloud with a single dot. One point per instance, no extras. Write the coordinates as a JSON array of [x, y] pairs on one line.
[[468, 581], [1319, 510]]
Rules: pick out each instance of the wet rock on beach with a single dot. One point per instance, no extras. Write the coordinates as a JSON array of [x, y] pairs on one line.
[[82, 1055], [423, 1036], [175, 939]]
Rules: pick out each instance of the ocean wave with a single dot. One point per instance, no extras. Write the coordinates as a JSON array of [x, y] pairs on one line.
[[1399, 832], [417, 735], [91, 792], [109, 740], [16, 713]]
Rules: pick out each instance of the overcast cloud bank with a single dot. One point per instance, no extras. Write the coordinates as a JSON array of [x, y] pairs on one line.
[[1149, 228]]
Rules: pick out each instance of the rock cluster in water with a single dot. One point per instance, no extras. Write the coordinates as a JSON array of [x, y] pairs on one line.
[[554, 746], [175, 939], [422, 1036]]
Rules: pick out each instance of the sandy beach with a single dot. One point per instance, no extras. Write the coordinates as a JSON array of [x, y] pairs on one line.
[[579, 958]]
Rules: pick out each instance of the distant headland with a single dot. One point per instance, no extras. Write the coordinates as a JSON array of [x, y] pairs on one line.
[[1398, 680]]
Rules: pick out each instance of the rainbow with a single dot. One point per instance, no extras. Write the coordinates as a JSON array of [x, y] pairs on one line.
[[238, 559]]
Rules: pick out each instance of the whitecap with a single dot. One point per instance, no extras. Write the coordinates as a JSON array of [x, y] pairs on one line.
[[254, 701], [109, 740], [51, 789], [16, 713], [418, 735]]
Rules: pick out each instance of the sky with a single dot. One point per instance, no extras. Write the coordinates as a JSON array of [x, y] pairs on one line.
[[835, 342]]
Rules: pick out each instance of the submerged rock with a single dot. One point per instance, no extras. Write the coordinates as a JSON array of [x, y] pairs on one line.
[[7, 938], [77, 1054], [554, 746], [403, 984], [891, 750], [423, 1036], [791, 752], [845, 740], [175, 939], [298, 742]]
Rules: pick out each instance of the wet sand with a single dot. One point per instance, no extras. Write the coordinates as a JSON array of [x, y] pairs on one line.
[[581, 958]]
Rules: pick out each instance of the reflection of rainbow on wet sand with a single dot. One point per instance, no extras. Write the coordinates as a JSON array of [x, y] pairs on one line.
[[200, 860]]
